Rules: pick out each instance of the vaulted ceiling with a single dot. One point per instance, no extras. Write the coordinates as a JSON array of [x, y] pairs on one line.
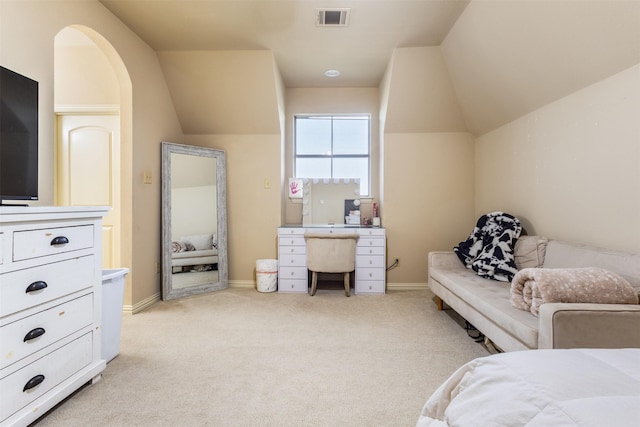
[[302, 50], [505, 58]]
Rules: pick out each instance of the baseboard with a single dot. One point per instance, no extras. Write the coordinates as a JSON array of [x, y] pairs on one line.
[[142, 305], [390, 286], [242, 284], [407, 286]]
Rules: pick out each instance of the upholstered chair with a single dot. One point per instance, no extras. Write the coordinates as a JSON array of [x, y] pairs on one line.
[[331, 253]]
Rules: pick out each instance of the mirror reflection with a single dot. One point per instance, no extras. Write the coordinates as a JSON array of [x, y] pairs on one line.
[[330, 201], [194, 220]]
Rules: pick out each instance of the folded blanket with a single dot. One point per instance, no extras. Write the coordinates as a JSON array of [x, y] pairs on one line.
[[532, 287], [489, 249], [181, 246]]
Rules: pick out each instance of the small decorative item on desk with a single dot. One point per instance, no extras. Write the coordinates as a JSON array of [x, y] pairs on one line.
[[352, 211], [376, 218]]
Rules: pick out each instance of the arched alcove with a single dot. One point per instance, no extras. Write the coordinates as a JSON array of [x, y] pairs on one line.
[[99, 84]]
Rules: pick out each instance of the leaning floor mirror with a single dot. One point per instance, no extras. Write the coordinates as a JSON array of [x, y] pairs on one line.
[[194, 220]]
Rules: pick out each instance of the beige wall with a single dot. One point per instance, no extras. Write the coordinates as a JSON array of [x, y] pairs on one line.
[[428, 199], [27, 32], [428, 162], [224, 92], [253, 211], [508, 58], [330, 101], [571, 169], [584, 145], [84, 77]]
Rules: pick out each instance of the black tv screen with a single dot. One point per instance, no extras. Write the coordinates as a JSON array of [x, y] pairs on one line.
[[18, 136]]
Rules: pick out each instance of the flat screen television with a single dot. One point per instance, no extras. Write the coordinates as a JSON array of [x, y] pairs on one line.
[[18, 136]]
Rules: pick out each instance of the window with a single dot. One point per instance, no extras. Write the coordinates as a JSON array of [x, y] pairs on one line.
[[333, 147]]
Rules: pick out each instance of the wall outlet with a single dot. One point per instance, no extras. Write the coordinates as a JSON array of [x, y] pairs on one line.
[[267, 183], [157, 268], [147, 178]]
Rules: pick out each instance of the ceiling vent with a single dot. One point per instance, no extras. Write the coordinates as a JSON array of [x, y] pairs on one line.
[[337, 17]]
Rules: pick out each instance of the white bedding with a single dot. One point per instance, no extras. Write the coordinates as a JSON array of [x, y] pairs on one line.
[[577, 387]]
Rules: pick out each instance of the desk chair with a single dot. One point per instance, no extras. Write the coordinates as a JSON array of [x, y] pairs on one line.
[[331, 253]]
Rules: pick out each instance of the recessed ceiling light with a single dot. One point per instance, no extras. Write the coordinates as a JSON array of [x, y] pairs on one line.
[[332, 73]]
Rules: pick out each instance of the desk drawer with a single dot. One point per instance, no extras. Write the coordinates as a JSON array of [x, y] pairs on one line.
[[49, 241], [370, 287], [293, 261], [365, 261], [48, 326], [291, 231], [292, 273], [61, 278], [370, 274], [292, 250], [371, 250], [369, 242], [377, 232], [293, 286], [291, 241], [55, 367]]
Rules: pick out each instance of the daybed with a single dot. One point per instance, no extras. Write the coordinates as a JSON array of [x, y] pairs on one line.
[[576, 387], [486, 303], [194, 250]]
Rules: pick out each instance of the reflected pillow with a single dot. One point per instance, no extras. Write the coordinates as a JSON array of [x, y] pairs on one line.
[[199, 241]]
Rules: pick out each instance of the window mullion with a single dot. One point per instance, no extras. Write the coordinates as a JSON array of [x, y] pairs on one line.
[[332, 149]]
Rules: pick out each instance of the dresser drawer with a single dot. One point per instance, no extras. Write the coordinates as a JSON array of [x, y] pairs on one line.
[[61, 278], [55, 367], [370, 274], [2, 248], [365, 261], [26, 336], [49, 241], [293, 261], [292, 273], [293, 286]]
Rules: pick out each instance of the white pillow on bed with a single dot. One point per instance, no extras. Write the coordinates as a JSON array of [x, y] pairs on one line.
[[199, 241]]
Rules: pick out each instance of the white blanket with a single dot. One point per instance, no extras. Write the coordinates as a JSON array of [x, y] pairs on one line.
[[578, 387]]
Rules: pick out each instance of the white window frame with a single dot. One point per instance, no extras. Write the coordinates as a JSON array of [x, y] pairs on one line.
[[332, 156]]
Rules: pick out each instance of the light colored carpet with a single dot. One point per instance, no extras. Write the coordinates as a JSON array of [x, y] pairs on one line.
[[243, 358]]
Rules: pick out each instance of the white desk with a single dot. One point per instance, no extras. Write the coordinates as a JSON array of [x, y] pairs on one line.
[[370, 258]]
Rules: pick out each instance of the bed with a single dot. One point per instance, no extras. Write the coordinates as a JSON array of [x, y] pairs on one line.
[[194, 252], [574, 387]]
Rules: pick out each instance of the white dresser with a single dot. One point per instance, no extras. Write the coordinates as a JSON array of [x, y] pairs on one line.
[[371, 251], [50, 307]]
